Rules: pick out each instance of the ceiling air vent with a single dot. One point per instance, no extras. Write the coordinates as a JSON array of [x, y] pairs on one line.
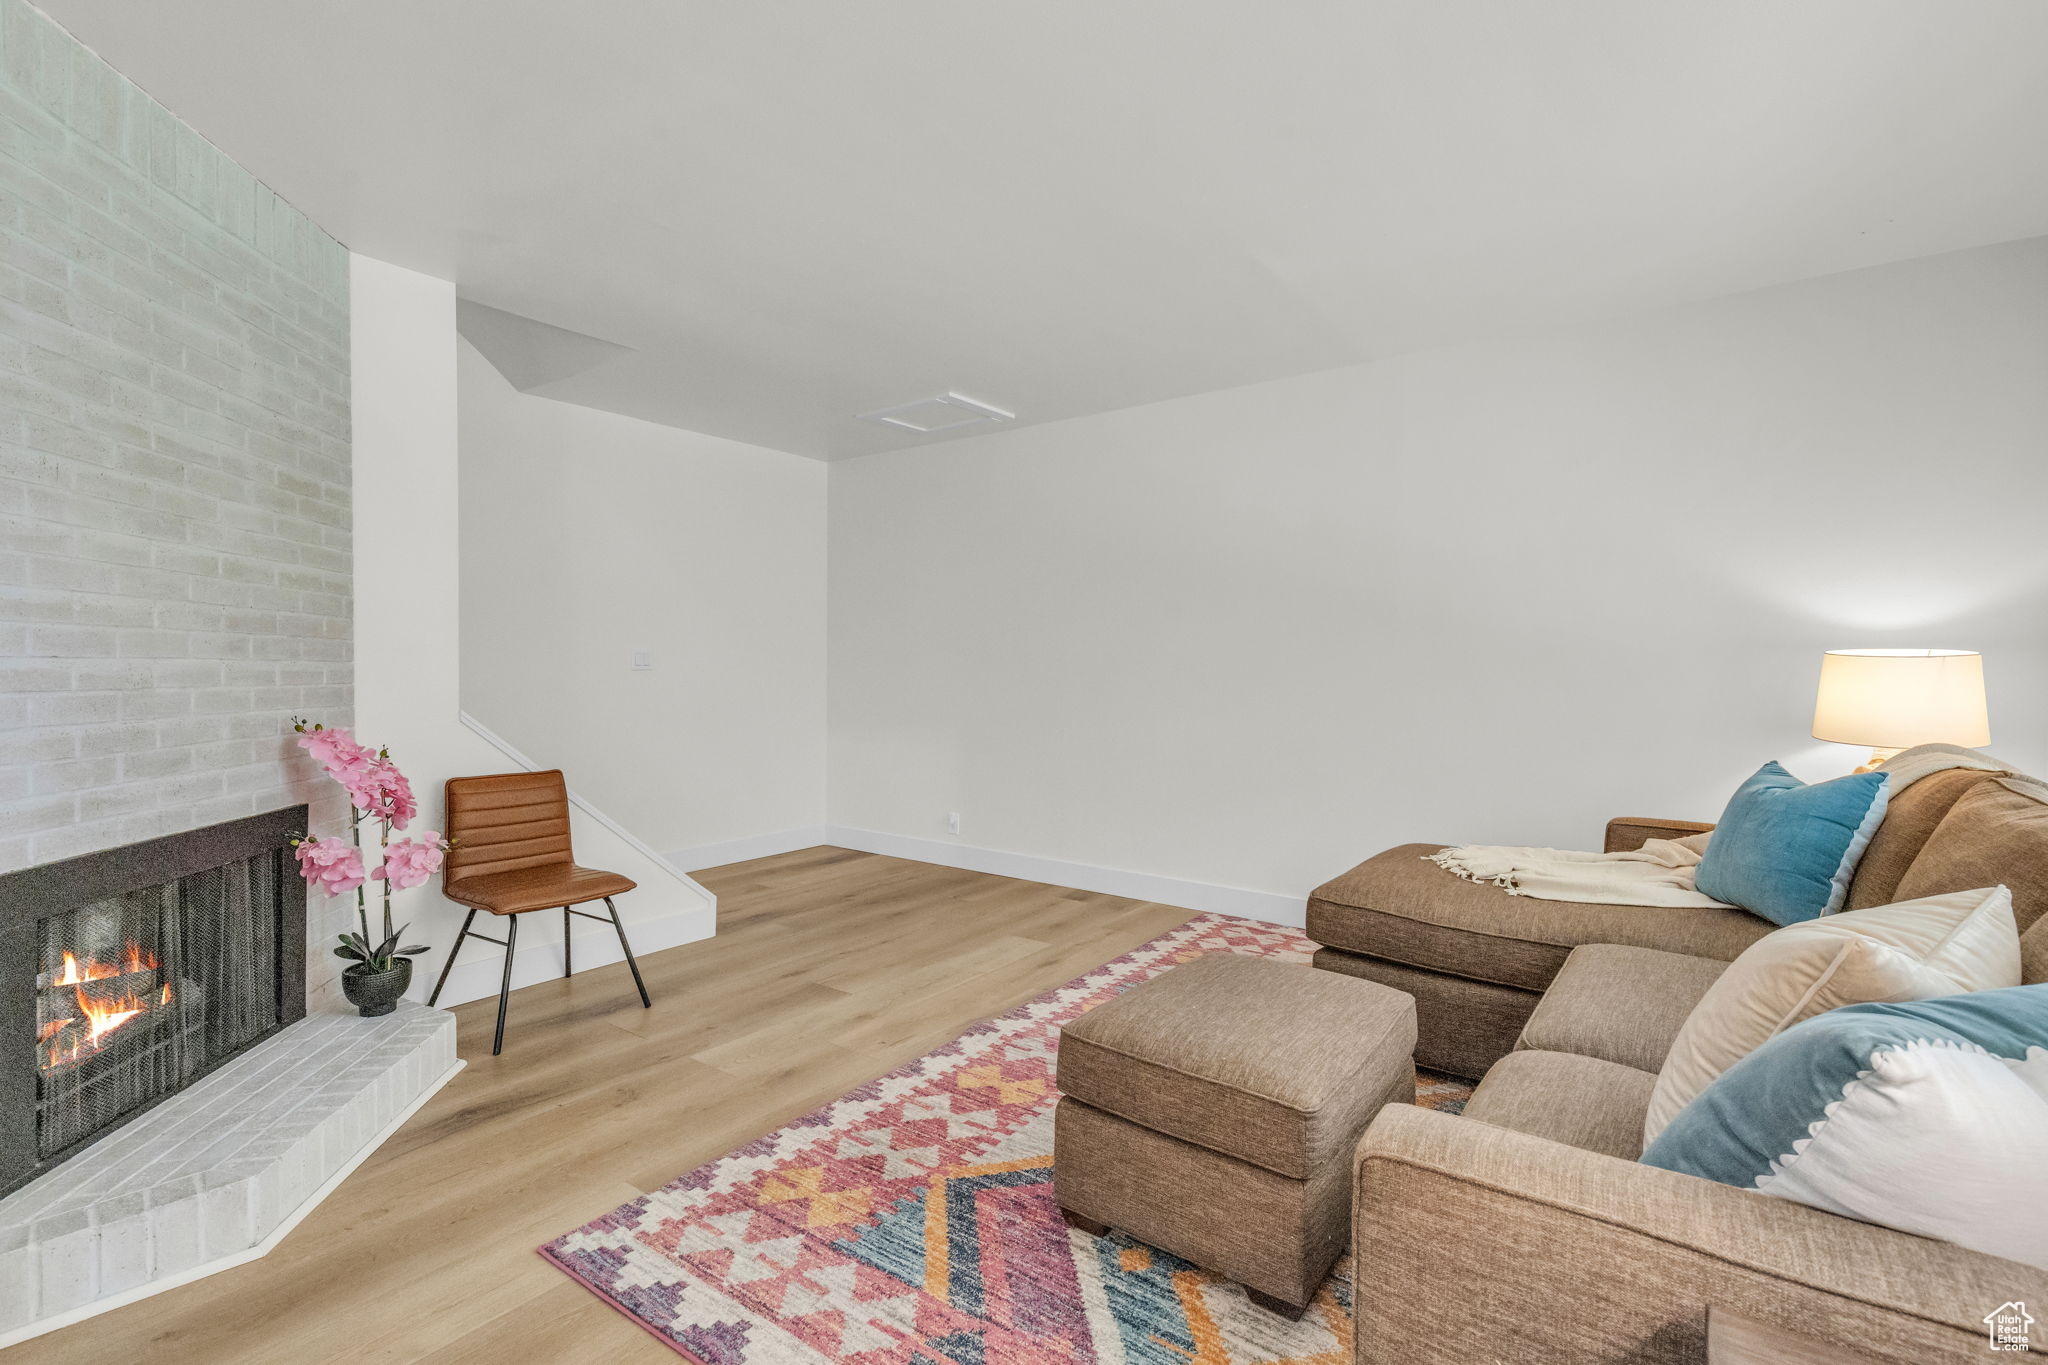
[[946, 412]]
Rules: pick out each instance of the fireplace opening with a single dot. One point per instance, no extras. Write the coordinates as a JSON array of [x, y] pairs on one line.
[[130, 974], [138, 993]]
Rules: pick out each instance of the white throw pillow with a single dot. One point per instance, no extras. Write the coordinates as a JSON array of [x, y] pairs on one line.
[[1914, 950], [1928, 1116], [1935, 1139]]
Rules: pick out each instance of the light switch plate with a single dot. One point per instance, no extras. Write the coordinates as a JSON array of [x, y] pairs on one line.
[[642, 658]]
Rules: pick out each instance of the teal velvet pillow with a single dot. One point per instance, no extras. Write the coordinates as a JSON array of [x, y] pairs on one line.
[[1786, 850]]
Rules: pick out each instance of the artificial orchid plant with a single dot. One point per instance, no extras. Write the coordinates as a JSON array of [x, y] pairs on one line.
[[378, 793]]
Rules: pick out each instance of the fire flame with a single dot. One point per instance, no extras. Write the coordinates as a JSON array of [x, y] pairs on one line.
[[100, 1017], [133, 960], [104, 1016]]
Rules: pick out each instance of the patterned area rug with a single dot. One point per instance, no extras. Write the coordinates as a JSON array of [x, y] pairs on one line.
[[912, 1222]]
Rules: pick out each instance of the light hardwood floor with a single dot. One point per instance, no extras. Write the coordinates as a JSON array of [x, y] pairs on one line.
[[829, 968]]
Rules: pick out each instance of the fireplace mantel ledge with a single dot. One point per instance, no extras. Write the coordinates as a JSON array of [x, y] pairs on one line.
[[217, 1174]]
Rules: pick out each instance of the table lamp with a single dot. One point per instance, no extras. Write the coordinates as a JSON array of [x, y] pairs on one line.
[[1892, 699]]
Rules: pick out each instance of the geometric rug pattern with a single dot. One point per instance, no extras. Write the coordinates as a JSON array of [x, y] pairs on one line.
[[912, 1222]]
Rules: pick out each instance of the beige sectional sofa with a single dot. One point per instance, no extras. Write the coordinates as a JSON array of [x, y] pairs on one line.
[[1477, 959], [1526, 1230]]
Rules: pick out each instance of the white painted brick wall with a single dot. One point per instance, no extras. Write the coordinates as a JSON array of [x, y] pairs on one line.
[[174, 469]]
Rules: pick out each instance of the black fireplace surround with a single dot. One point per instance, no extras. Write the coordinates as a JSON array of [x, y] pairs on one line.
[[127, 975]]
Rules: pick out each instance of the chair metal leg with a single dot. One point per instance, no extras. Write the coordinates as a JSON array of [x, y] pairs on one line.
[[505, 985], [467, 920], [645, 1003], [565, 941]]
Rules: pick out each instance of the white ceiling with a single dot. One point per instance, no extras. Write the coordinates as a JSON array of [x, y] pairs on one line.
[[797, 210]]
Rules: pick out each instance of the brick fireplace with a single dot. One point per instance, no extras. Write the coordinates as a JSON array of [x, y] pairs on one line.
[[176, 584], [169, 1106], [129, 974], [176, 580]]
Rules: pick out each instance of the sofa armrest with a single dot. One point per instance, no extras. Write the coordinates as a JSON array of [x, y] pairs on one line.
[[1479, 1243], [1626, 833]]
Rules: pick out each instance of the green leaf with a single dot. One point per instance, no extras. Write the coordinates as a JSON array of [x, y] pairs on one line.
[[416, 948], [349, 953]]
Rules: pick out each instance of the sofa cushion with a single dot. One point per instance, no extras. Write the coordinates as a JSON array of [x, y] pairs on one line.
[[1787, 849], [1462, 1026], [1579, 1101], [1996, 833], [1619, 1004], [1914, 950], [1909, 817], [1274, 1063], [1402, 907], [1928, 1117]]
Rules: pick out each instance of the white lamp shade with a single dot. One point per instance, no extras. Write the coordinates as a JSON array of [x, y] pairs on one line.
[[1896, 698]]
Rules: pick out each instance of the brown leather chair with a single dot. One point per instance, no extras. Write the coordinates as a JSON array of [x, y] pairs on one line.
[[510, 854]]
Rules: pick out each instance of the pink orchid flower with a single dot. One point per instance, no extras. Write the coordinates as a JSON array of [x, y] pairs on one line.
[[383, 791], [412, 862], [336, 750], [334, 867]]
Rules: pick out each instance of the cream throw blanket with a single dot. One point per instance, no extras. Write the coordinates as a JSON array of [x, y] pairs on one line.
[[1661, 871], [1658, 873]]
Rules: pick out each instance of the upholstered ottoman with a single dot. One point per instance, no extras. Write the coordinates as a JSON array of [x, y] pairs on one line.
[[1212, 1111]]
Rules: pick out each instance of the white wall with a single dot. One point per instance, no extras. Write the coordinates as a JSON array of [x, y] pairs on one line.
[[587, 535], [1497, 593], [403, 361]]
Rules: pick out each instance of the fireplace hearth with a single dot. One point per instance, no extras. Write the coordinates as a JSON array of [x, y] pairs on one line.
[[127, 975]]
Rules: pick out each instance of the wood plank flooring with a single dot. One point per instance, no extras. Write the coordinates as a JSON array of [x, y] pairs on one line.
[[829, 968]]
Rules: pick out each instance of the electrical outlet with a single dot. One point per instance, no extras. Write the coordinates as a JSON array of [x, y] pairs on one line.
[[641, 659], [952, 822]]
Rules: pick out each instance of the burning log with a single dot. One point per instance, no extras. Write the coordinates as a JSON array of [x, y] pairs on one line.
[[82, 1006]]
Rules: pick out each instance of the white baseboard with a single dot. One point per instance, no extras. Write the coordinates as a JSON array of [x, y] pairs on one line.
[[480, 966], [752, 846], [1273, 906]]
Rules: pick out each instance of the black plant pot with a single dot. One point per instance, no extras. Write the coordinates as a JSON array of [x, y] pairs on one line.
[[375, 993]]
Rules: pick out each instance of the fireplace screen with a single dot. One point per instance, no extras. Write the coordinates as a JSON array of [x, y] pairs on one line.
[[139, 993], [135, 972]]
